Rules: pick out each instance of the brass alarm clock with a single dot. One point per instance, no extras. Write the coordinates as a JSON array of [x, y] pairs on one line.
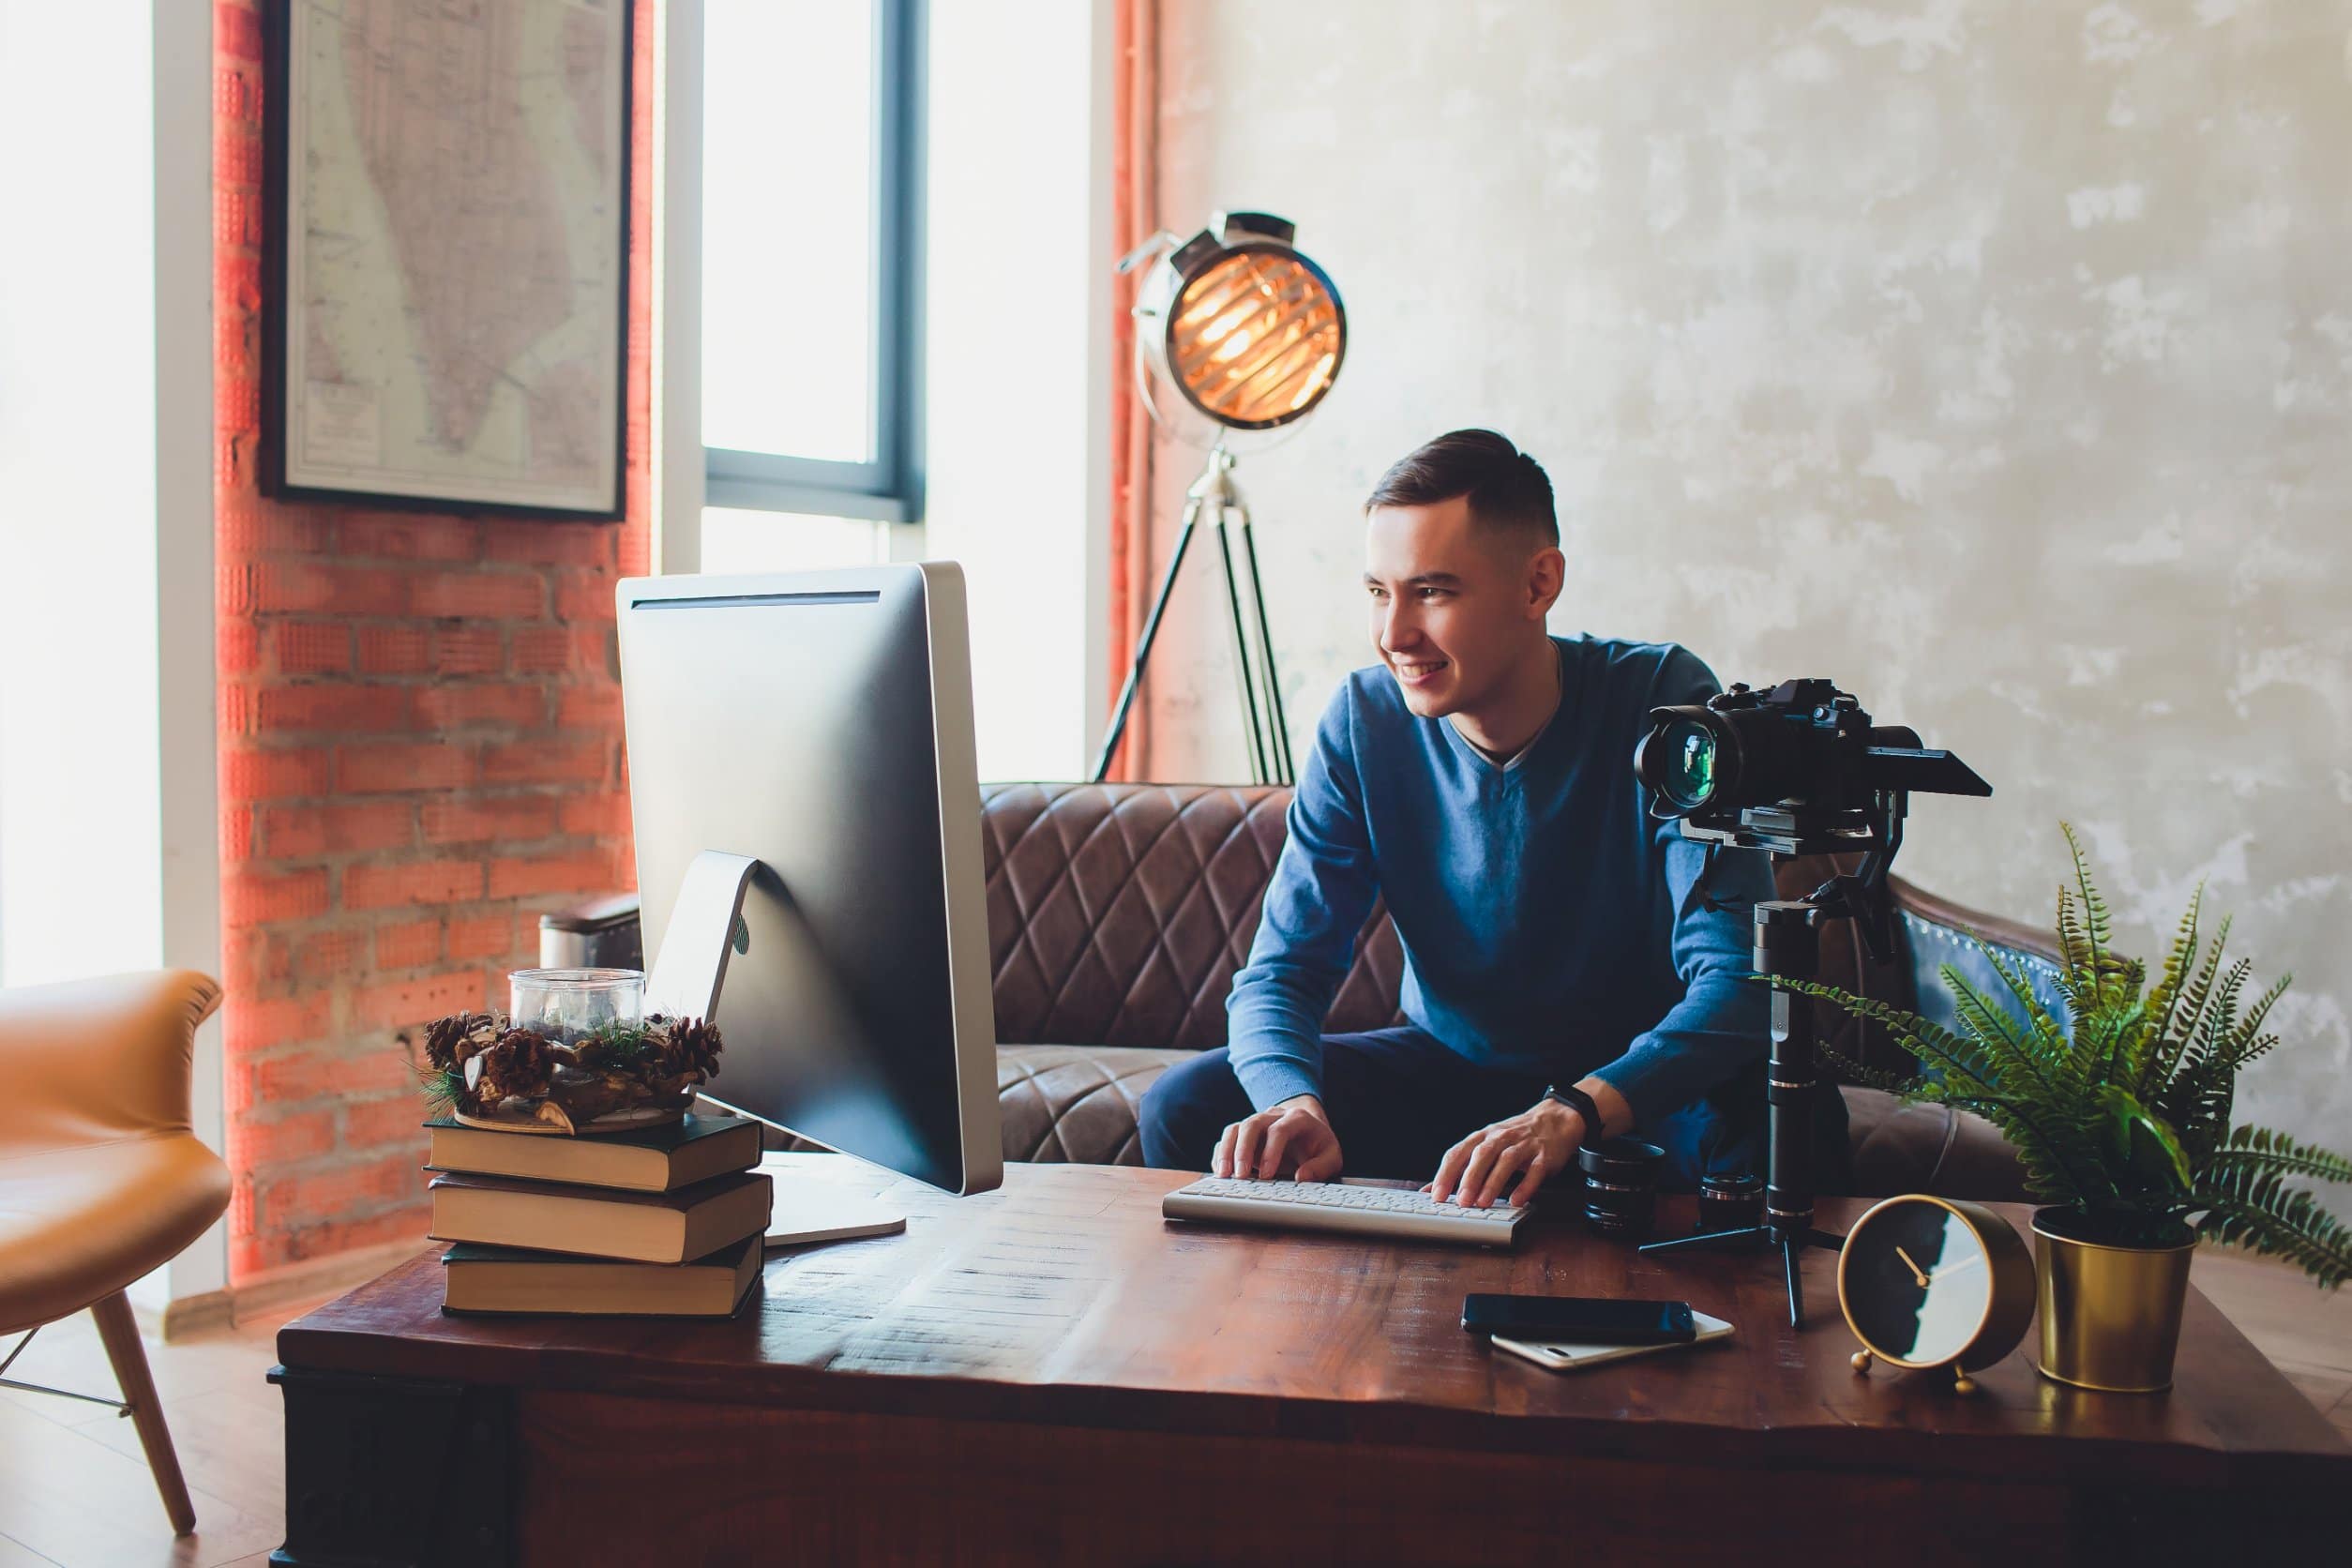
[[1930, 1282]]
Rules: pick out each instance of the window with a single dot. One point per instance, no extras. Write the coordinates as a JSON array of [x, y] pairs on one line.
[[812, 257]]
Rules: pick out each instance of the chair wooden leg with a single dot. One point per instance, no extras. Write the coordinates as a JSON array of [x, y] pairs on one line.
[[120, 1332]]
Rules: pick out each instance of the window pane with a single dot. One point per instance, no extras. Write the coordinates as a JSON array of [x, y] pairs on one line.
[[741, 541], [788, 250]]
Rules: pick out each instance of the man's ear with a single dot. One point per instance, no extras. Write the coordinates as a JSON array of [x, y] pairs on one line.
[[1546, 574]]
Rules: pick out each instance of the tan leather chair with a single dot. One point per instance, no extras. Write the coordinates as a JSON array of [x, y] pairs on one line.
[[101, 1179]]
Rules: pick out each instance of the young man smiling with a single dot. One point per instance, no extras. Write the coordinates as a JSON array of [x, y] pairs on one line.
[[1565, 980]]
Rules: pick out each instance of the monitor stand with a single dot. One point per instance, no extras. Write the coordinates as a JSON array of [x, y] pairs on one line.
[[705, 930]]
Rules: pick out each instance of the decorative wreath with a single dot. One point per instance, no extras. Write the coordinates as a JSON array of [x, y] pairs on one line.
[[479, 1064]]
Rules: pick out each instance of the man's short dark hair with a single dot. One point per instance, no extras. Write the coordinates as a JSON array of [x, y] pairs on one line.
[[1505, 488]]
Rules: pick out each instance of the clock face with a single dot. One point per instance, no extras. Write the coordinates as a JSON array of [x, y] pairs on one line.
[[1917, 1283]]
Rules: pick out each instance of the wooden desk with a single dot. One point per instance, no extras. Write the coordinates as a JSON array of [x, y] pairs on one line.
[[1052, 1373]]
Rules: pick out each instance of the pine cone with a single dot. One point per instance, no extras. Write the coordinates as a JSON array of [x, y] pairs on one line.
[[449, 1041], [692, 1049], [516, 1068]]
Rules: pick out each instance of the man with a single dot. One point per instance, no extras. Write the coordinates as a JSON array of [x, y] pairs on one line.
[[1565, 980]]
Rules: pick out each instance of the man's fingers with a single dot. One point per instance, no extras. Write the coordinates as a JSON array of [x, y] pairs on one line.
[[1481, 1160], [1221, 1163], [1450, 1169], [1270, 1152], [1248, 1134], [1323, 1164], [1532, 1177], [1506, 1163]]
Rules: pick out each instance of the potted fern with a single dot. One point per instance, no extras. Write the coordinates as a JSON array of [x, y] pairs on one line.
[[2120, 1112]]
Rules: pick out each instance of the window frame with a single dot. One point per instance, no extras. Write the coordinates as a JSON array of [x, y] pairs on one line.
[[889, 488]]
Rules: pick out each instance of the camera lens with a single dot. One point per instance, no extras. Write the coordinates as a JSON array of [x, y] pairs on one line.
[[1621, 1185], [1683, 760]]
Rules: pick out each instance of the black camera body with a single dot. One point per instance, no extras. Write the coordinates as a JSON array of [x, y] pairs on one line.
[[1800, 762]]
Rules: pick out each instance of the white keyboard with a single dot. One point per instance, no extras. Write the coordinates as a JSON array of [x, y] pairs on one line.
[[1404, 1213]]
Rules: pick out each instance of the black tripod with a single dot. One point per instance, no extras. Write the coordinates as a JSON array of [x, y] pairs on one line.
[[1788, 946], [1269, 736]]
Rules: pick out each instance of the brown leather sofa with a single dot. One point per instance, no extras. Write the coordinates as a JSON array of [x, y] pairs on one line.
[[1117, 914]]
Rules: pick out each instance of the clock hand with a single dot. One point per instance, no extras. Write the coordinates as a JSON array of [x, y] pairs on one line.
[[1955, 1268], [1917, 1273]]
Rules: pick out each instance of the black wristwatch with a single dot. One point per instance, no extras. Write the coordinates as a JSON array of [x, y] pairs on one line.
[[1581, 1102]]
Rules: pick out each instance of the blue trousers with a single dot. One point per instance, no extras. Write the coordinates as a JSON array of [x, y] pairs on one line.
[[1399, 1098]]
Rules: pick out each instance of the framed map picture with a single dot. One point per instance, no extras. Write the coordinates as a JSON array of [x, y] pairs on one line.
[[444, 319]]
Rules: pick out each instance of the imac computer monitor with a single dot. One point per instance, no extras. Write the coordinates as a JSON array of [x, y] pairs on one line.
[[809, 735]]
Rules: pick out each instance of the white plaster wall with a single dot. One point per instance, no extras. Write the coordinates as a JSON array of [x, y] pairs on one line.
[[1994, 359]]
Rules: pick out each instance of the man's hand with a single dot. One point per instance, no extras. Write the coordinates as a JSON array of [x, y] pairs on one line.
[[1532, 1146], [1294, 1139]]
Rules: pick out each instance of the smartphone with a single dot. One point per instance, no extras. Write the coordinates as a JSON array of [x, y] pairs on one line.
[[1580, 1319]]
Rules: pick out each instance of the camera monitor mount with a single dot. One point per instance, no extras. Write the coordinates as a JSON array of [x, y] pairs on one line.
[[1799, 770]]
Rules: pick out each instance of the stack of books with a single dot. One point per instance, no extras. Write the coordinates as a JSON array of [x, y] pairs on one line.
[[666, 1222]]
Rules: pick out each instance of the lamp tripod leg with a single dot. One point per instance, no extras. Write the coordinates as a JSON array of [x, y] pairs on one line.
[[1260, 767], [1143, 644], [1284, 770]]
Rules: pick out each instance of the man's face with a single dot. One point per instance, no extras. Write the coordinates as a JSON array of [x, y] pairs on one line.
[[1454, 603]]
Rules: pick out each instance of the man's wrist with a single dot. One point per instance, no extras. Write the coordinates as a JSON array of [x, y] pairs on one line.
[[1588, 1111], [1311, 1103]]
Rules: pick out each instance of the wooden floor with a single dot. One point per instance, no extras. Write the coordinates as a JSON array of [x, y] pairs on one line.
[[75, 1492]]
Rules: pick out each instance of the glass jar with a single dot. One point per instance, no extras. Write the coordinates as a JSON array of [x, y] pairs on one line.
[[568, 1005]]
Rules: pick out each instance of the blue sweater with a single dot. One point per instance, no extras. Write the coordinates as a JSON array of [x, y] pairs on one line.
[[1548, 922]]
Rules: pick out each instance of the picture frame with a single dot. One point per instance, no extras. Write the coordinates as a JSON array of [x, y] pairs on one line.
[[446, 203]]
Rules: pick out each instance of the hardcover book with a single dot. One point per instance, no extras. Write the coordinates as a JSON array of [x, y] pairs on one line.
[[496, 1279], [659, 1160], [591, 1222]]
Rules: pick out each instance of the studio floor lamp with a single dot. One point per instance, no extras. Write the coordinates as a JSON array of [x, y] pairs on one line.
[[1250, 334]]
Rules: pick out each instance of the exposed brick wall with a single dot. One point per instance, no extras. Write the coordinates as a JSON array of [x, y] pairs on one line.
[[420, 731]]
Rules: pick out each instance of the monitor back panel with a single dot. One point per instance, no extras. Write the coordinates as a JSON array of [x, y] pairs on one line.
[[791, 718]]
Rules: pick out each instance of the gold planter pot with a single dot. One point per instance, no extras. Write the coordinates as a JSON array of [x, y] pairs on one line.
[[2110, 1315]]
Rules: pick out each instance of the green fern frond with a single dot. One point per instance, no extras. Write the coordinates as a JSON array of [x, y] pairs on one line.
[[2254, 1150], [2257, 1210], [2178, 962], [2098, 926]]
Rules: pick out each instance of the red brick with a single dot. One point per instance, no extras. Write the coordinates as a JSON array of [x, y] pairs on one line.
[[237, 279], [451, 707], [237, 94], [423, 882], [552, 761], [291, 831], [304, 587], [253, 1143], [233, 709], [325, 957], [467, 821], [470, 649], [337, 705], [483, 936], [596, 816], [585, 596], [311, 648], [249, 526], [589, 707], [375, 769], [407, 1222], [542, 650], [252, 898], [237, 833], [397, 1120], [251, 1024], [481, 596], [288, 1202], [308, 1075], [636, 554], [248, 773], [394, 650], [251, 959], [549, 544], [237, 647], [408, 945], [410, 536], [580, 871], [596, 651], [417, 1001], [236, 32]]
